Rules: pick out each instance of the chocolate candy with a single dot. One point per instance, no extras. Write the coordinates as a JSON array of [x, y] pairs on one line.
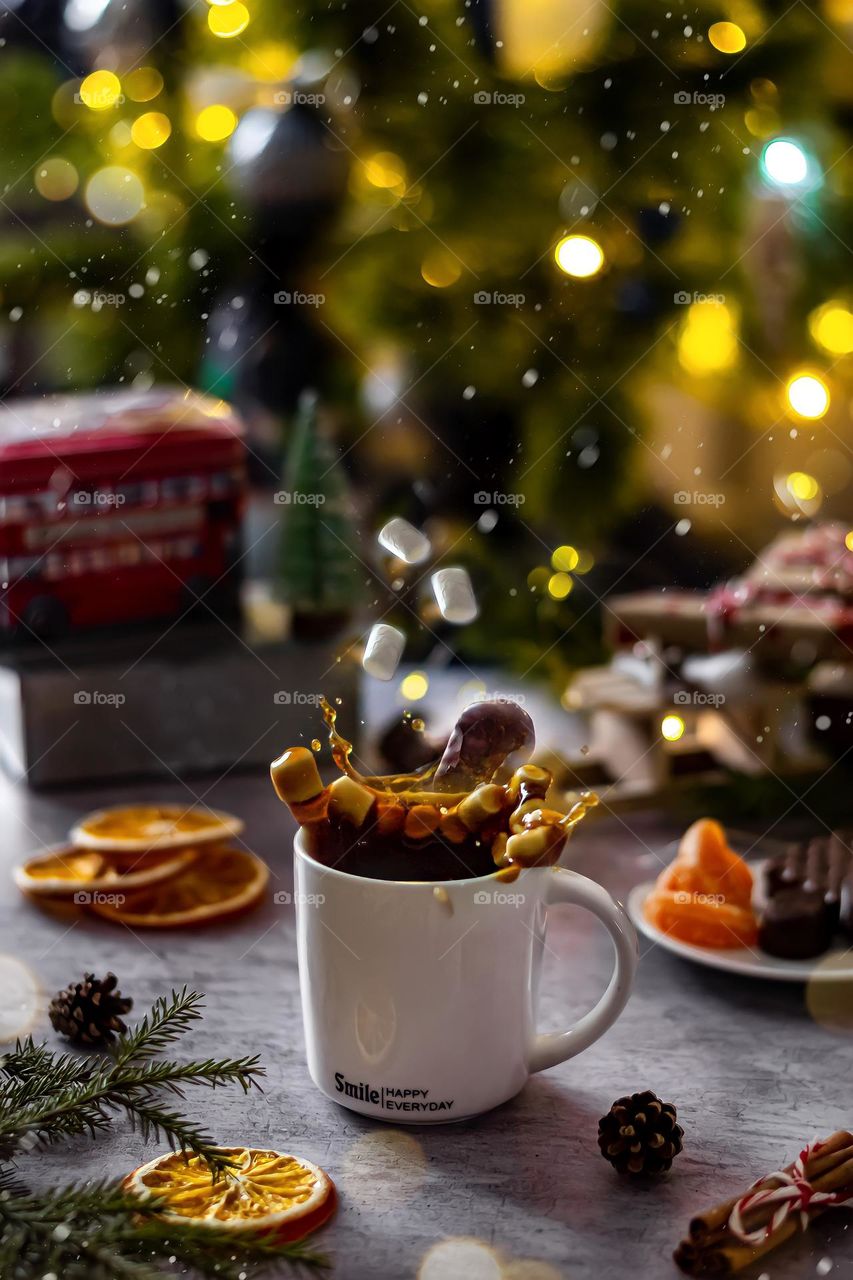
[[796, 924], [483, 737], [819, 866]]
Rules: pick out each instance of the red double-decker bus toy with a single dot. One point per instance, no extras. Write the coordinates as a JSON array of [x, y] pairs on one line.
[[116, 507]]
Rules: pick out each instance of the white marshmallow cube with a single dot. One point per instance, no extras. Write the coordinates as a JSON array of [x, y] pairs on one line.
[[404, 541], [455, 595], [383, 651]]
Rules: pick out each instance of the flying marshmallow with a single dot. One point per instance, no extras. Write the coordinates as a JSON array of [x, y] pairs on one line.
[[404, 541]]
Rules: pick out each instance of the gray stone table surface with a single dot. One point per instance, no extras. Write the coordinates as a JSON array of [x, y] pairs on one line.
[[753, 1070]]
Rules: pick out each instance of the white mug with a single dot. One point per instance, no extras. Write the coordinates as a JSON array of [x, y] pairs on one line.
[[419, 999]]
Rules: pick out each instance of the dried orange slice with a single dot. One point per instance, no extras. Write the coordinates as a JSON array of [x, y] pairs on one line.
[[263, 1192], [220, 883], [64, 871], [136, 828]]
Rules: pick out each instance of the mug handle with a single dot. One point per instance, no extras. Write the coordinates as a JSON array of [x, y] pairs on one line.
[[569, 887]]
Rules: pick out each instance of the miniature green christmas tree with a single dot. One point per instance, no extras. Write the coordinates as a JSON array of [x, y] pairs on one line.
[[320, 570]]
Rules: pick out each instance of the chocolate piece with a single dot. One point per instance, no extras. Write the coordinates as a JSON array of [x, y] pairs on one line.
[[796, 924], [819, 867], [484, 736]]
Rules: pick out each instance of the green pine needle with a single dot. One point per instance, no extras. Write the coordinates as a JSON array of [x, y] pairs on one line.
[[99, 1232]]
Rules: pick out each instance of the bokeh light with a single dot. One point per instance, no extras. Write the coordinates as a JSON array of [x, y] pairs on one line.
[[460, 1259], [150, 130], [143, 84], [440, 268], [228, 20], [414, 686], [802, 486], [100, 90], [708, 341], [727, 37], [848, 541], [807, 395], [672, 728], [559, 586], [271, 61], [385, 170], [20, 999], [831, 326], [114, 195], [579, 256], [565, 559], [785, 162], [215, 122], [56, 178]]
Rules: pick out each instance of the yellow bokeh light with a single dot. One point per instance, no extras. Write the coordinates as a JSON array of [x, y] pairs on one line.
[[56, 179], [802, 486], [114, 195], [579, 256], [100, 90], [708, 340], [270, 61], [440, 269], [228, 20], [565, 559], [672, 728], [848, 541], [538, 578], [807, 395], [143, 84], [385, 170], [727, 37], [150, 130], [215, 123], [831, 326], [559, 586], [413, 687]]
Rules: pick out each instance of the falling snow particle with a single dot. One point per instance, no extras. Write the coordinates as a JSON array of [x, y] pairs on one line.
[[423, 98], [198, 258], [683, 526], [469, 393], [487, 521], [824, 1267], [136, 290], [588, 457], [822, 722], [530, 378]]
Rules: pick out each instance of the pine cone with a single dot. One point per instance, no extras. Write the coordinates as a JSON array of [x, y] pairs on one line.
[[639, 1134], [88, 1012]]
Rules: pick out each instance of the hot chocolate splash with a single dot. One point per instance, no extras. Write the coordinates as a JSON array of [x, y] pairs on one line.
[[473, 811]]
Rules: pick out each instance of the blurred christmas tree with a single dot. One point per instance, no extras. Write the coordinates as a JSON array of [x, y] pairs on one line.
[[320, 575], [539, 254]]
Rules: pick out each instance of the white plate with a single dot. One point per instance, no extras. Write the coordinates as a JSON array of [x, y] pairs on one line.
[[832, 966]]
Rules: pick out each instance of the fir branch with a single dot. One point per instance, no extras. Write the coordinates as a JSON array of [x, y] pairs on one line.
[[47, 1097], [165, 1023], [100, 1233]]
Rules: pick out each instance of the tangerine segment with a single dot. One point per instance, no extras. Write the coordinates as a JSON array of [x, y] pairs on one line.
[[221, 883], [137, 828], [65, 870], [719, 925], [262, 1192], [706, 865]]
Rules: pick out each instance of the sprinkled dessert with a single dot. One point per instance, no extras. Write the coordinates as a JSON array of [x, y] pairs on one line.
[[481, 808]]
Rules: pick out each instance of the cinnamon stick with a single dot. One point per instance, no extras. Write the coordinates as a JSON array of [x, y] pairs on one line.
[[712, 1248], [826, 1159]]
